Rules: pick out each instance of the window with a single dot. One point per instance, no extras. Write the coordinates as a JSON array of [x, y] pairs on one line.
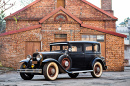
[[96, 48], [127, 37], [76, 48], [93, 38], [92, 48], [55, 48], [60, 35], [85, 37], [59, 47], [99, 38], [88, 47], [60, 17]]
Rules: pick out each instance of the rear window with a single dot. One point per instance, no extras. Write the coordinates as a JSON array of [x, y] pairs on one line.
[[92, 48]]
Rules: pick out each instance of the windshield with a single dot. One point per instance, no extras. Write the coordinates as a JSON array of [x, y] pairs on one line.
[[58, 47]]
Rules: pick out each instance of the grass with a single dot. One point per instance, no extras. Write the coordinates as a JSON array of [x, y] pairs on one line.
[[5, 68], [0, 64]]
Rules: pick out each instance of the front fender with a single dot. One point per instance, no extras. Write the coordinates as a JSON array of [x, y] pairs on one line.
[[99, 60], [25, 60], [60, 66]]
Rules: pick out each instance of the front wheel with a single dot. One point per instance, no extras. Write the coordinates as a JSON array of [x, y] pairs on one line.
[[25, 76], [73, 75], [50, 71], [97, 70]]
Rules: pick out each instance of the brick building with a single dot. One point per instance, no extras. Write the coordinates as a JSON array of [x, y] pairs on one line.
[[43, 22]]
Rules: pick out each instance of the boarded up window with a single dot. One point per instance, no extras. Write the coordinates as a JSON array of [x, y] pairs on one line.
[[60, 3]]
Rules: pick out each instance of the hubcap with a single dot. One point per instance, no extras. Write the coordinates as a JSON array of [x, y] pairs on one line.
[[66, 63], [51, 71], [97, 69]]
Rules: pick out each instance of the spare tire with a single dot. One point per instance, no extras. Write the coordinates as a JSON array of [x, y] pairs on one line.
[[65, 61]]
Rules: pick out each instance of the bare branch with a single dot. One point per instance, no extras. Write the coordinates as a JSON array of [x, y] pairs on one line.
[[5, 5]]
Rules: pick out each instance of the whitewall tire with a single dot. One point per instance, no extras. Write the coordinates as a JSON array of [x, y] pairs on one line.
[[50, 71], [97, 70]]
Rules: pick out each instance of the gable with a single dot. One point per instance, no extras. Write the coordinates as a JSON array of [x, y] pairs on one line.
[[70, 18], [87, 11], [80, 8], [36, 10]]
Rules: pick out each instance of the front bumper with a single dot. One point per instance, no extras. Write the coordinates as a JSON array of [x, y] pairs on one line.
[[29, 70]]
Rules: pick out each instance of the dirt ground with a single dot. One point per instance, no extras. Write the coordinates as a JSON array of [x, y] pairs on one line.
[[13, 78]]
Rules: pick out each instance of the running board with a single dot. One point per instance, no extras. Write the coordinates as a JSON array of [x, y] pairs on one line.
[[29, 70], [84, 71]]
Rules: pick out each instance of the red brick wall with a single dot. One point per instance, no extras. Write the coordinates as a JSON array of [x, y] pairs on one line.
[[13, 47], [13, 25], [114, 53]]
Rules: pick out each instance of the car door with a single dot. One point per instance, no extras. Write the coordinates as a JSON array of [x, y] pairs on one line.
[[77, 56], [89, 54]]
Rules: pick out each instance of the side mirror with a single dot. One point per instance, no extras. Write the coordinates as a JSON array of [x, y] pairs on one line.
[[70, 49]]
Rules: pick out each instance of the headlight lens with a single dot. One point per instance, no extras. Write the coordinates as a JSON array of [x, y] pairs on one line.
[[39, 57], [29, 57]]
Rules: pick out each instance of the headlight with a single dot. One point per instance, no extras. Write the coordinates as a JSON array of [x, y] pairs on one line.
[[39, 57], [29, 57]]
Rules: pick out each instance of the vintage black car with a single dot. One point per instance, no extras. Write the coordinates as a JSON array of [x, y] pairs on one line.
[[72, 57]]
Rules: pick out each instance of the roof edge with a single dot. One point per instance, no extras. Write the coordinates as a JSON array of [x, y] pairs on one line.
[[20, 30], [103, 30], [65, 11], [24, 8], [99, 9]]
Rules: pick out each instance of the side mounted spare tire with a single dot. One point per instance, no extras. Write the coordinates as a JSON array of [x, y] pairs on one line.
[[65, 61]]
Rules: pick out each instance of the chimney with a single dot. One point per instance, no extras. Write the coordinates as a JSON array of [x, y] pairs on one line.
[[106, 5]]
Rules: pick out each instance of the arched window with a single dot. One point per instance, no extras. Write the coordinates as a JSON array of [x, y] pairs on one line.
[[60, 3], [60, 17]]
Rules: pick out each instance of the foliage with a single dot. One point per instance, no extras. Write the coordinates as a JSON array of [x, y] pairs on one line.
[[2, 23], [0, 64], [125, 22]]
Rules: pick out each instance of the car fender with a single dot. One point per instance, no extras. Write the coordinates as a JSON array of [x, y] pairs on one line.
[[99, 60], [25, 60], [60, 66]]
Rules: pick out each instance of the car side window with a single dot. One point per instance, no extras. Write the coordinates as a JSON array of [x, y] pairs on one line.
[[88, 48], [96, 48], [76, 48]]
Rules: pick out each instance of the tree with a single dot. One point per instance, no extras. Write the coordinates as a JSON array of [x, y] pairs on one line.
[[125, 22], [5, 5], [26, 2], [2, 23]]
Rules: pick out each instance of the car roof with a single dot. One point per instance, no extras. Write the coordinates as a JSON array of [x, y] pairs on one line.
[[69, 42]]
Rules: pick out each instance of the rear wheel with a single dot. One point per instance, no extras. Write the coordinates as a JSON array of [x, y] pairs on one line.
[[73, 75], [25, 76], [97, 70], [50, 71]]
